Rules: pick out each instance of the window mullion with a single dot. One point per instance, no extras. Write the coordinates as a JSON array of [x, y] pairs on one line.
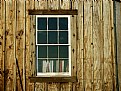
[[47, 39], [58, 35], [37, 57]]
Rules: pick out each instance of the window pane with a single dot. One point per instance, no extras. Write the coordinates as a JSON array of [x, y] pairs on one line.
[[63, 23], [42, 23], [40, 65], [52, 23], [52, 37], [47, 66], [51, 65], [63, 65], [63, 51], [52, 51], [41, 37], [63, 37], [42, 51], [55, 65]]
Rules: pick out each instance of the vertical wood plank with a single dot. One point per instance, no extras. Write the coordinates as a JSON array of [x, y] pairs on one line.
[[108, 85], [88, 58], [118, 30], [9, 46], [53, 4], [4, 43], [113, 47], [32, 62], [74, 30], [41, 4], [65, 4], [27, 45], [98, 45], [14, 33], [20, 41], [73, 46], [4, 39], [32, 47], [31, 4], [1, 46], [74, 4], [80, 47]]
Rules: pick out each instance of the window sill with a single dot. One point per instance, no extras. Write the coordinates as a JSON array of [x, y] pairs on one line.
[[53, 79]]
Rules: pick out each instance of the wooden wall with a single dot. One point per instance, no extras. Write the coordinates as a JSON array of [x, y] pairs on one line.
[[93, 60], [118, 32]]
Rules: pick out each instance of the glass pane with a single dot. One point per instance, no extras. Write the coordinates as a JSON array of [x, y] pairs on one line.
[[40, 65], [42, 51], [63, 65], [63, 23], [42, 23], [53, 51], [52, 37], [47, 66], [63, 37], [50, 65], [52, 23], [63, 51], [54, 64], [41, 37]]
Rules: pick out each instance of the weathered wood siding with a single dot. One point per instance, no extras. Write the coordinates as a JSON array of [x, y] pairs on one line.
[[93, 59], [118, 35]]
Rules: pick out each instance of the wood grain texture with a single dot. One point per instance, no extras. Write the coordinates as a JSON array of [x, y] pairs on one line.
[[39, 5], [20, 42], [88, 58], [65, 4], [73, 44], [53, 79], [118, 32], [97, 45], [107, 24], [1, 46], [9, 46], [113, 47], [53, 4], [32, 67], [80, 47], [93, 60], [53, 12]]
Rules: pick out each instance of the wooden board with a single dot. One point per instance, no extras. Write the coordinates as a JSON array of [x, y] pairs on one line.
[[1, 46], [107, 24], [64, 4], [88, 53], [118, 33], [93, 60], [9, 59], [80, 47], [97, 45]]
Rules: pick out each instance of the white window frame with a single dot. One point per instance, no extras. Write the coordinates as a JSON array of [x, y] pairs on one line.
[[59, 74]]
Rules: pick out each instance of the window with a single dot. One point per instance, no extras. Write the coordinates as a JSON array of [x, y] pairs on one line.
[[53, 49]]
